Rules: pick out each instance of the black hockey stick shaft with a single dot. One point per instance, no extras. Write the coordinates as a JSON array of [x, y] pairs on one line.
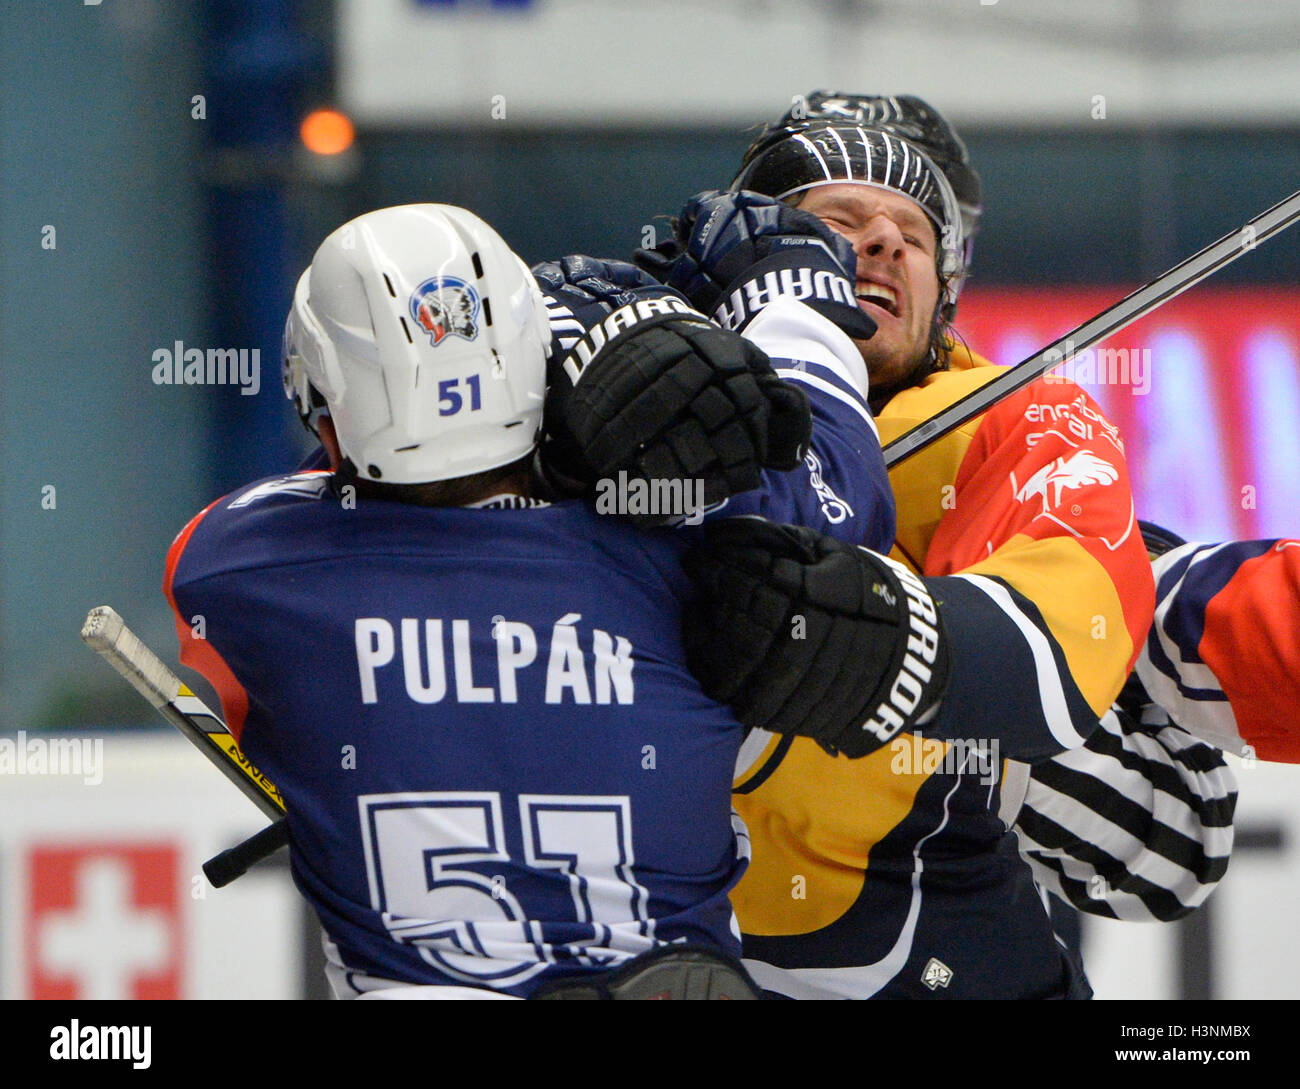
[[222, 869], [1129, 309]]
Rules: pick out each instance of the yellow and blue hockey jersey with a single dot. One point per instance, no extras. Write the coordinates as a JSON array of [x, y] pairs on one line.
[[897, 875]]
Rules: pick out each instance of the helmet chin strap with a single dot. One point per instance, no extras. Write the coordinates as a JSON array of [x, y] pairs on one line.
[[310, 412], [345, 476]]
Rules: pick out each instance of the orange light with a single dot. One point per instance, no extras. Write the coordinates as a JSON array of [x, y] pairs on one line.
[[326, 132]]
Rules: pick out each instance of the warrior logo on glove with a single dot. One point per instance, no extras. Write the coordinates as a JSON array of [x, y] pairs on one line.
[[642, 388], [871, 659], [445, 306]]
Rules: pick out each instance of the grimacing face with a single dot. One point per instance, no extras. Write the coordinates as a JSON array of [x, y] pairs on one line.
[[896, 281]]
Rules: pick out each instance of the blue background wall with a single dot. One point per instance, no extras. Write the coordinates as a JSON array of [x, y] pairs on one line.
[[96, 140]]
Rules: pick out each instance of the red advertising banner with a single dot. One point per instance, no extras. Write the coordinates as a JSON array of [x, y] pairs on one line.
[[1206, 393]]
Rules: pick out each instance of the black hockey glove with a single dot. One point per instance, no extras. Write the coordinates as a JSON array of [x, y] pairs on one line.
[[641, 383], [803, 634], [736, 252]]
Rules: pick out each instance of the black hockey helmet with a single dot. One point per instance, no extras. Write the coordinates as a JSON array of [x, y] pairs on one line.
[[804, 155], [912, 118]]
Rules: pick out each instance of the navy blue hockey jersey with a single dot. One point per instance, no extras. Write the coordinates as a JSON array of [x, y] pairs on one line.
[[496, 766], [481, 724]]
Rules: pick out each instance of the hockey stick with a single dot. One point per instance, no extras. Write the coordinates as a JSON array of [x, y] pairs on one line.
[[222, 869], [107, 634], [1129, 309]]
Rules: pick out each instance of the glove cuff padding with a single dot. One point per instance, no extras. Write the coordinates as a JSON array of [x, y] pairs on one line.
[[564, 456], [917, 675], [670, 398], [802, 269], [803, 634]]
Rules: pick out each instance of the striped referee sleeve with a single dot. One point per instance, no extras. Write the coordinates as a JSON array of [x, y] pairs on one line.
[[1223, 656], [1136, 824]]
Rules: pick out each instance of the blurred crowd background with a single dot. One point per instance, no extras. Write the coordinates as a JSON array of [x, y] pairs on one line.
[[158, 184]]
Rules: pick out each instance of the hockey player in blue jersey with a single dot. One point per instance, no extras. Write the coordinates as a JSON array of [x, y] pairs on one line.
[[500, 776]]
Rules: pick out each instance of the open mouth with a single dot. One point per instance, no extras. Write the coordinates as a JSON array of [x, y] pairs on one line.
[[879, 295]]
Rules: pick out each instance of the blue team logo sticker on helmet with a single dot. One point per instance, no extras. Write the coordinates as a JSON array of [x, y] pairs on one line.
[[445, 306]]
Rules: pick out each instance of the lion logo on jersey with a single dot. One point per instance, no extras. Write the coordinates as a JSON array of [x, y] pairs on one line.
[[445, 306], [1079, 469]]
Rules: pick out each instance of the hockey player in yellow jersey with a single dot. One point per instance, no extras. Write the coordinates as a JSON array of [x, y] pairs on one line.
[[898, 874]]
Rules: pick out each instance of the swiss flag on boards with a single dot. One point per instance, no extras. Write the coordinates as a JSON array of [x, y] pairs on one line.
[[103, 921]]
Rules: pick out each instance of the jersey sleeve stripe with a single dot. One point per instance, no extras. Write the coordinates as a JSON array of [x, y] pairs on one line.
[[788, 329], [1189, 671], [794, 368], [1186, 823], [805, 378], [1014, 783], [1221, 655], [1141, 764], [1055, 710], [1168, 856], [1168, 667], [1069, 879], [1128, 895], [988, 645], [1213, 715]]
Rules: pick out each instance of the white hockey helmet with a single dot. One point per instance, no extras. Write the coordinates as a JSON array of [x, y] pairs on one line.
[[425, 337]]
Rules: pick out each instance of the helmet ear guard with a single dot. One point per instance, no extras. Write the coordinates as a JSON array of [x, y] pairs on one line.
[[303, 335]]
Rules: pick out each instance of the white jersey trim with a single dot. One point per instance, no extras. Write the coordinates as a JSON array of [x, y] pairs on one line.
[[1191, 674], [429, 993], [789, 329], [792, 374], [751, 749], [1056, 712], [1213, 720], [1015, 783], [506, 501]]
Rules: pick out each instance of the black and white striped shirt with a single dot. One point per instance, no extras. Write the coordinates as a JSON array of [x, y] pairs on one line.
[[1136, 824]]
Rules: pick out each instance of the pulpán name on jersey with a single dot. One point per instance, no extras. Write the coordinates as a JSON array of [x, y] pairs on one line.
[[581, 667]]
